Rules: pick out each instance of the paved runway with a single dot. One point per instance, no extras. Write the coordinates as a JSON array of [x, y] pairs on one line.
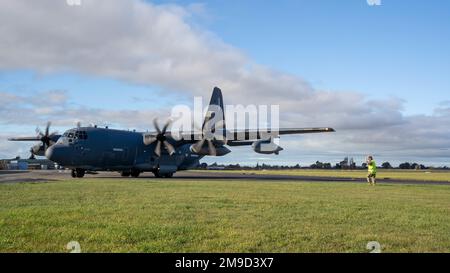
[[54, 176]]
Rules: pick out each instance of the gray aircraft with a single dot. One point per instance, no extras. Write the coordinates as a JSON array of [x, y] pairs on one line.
[[90, 149]]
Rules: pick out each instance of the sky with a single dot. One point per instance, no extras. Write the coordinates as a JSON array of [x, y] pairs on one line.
[[378, 74]]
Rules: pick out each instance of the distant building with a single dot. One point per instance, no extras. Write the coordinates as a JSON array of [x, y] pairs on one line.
[[27, 164], [347, 163]]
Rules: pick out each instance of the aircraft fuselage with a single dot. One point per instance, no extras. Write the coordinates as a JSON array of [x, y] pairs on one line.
[[101, 149]]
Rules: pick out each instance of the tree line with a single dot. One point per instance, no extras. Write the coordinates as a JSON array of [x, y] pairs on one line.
[[319, 165]]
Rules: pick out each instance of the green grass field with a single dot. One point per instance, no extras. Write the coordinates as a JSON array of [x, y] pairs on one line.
[[151, 215], [420, 175]]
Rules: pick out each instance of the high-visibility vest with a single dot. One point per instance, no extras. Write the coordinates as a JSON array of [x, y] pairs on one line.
[[372, 167]]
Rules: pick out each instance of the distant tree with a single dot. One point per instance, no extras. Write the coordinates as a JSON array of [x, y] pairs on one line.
[[315, 165], [327, 165], [416, 166], [386, 165], [319, 165], [233, 166], [405, 166], [364, 165]]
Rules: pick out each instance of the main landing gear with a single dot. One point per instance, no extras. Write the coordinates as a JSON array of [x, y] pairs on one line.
[[78, 173], [132, 173], [162, 175]]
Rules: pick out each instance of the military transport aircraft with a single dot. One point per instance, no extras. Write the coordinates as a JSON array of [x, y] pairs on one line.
[[90, 149]]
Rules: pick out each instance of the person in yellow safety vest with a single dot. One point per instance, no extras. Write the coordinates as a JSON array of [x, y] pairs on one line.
[[372, 171]]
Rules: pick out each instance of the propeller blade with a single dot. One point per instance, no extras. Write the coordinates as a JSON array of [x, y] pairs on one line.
[[166, 126], [47, 129], [211, 148], [197, 147], [169, 147], [155, 124], [149, 139], [158, 149]]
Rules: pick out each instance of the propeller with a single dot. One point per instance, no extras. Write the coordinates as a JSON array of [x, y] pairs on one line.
[[46, 137], [208, 137], [160, 138]]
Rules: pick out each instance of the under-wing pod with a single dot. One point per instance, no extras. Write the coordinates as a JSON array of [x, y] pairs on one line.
[[267, 146]]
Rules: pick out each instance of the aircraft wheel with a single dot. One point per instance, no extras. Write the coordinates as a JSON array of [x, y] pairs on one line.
[[74, 174], [159, 175], [135, 173], [125, 174], [80, 173]]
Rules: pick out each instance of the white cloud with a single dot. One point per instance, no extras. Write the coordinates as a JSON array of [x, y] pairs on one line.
[[56, 107], [151, 44]]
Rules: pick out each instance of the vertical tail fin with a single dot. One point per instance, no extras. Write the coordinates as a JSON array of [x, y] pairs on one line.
[[215, 116]]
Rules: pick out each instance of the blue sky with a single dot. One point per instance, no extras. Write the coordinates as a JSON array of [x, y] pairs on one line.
[[401, 48], [111, 60]]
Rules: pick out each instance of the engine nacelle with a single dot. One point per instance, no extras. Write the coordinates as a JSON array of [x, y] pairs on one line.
[[38, 150], [220, 151], [266, 147]]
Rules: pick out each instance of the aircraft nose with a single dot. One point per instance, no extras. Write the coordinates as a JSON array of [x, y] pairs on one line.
[[55, 153], [49, 152]]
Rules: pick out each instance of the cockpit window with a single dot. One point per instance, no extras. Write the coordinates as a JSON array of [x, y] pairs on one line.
[[73, 136], [80, 135]]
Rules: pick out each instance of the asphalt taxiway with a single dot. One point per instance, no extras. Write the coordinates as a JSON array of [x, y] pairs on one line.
[[55, 175]]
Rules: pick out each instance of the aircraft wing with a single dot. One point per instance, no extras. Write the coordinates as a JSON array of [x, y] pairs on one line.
[[247, 137], [24, 139]]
